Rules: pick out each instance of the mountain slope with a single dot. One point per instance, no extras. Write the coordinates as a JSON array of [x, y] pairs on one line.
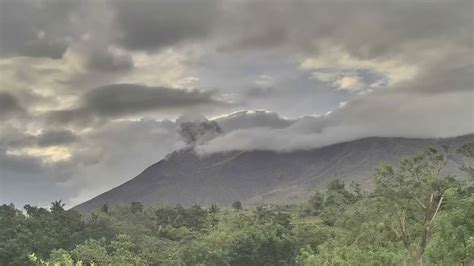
[[256, 177]]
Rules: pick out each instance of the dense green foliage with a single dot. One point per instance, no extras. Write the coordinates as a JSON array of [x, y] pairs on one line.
[[416, 214]]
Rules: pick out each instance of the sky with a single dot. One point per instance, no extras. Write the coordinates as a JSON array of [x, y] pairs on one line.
[[92, 92]]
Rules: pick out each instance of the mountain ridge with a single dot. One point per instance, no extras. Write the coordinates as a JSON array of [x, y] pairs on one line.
[[261, 176]]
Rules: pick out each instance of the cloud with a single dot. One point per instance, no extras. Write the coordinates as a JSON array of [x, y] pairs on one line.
[[166, 68], [383, 115], [261, 92], [341, 81], [109, 59], [25, 179], [36, 28], [263, 87], [128, 99], [51, 154], [116, 152], [59, 164], [47, 145], [358, 82], [9, 105], [339, 61], [150, 25], [12, 136], [414, 46], [350, 83], [367, 30], [131, 98], [264, 81], [54, 137], [251, 119], [15, 137]]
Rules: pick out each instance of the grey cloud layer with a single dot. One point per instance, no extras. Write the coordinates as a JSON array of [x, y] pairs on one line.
[[367, 28], [105, 60], [149, 25], [127, 99], [54, 137], [36, 28], [433, 37], [13, 138], [9, 105]]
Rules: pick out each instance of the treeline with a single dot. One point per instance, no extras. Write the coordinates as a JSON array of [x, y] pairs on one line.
[[416, 214]]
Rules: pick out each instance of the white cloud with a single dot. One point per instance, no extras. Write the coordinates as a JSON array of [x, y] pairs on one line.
[[189, 82], [251, 119], [47, 154], [345, 80], [384, 115], [168, 68], [264, 81], [395, 69], [325, 76], [349, 83]]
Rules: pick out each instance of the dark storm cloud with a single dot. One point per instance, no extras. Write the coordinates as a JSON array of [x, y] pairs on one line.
[[127, 99], [148, 25]]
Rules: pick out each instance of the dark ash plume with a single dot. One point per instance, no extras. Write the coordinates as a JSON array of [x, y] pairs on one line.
[[197, 131]]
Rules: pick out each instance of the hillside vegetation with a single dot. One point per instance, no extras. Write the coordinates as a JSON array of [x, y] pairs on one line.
[[417, 214]]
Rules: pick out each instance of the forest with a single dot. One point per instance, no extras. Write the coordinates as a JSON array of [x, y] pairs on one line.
[[416, 213]]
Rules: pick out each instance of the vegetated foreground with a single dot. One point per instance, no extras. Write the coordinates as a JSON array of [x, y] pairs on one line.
[[415, 215]]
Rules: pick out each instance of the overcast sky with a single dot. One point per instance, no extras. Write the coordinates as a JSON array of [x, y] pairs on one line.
[[90, 91]]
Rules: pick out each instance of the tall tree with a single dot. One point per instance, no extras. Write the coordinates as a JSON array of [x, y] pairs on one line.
[[412, 196]]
